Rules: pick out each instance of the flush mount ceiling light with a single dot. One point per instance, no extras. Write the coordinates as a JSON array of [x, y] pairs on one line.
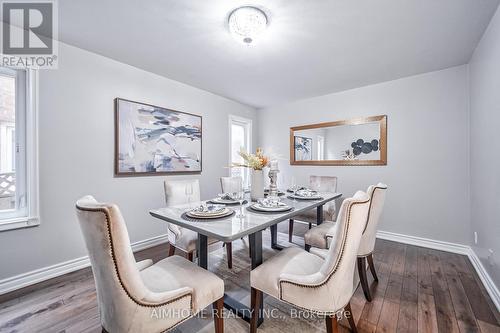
[[247, 23]]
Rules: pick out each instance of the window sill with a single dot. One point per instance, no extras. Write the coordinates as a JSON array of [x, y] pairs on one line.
[[18, 223]]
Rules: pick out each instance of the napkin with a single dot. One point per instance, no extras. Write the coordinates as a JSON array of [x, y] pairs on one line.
[[227, 196], [271, 202]]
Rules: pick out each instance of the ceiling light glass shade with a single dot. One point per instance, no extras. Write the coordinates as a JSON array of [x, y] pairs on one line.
[[247, 23]]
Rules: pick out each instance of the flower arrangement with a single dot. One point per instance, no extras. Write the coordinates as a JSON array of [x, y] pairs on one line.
[[255, 161]]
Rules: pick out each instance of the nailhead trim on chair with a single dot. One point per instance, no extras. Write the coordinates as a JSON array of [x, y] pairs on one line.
[[369, 209], [112, 253], [335, 266]]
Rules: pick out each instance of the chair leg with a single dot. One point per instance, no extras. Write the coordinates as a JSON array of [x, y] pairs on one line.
[[229, 253], [290, 230], [310, 225], [217, 308], [256, 298], [363, 279], [190, 256], [372, 266], [350, 318], [332, 325], [171, 250]]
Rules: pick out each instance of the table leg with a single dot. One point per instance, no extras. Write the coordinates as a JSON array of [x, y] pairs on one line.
[[242, 310], [202, 249], [274, 238], [256, 244], [319, 215]]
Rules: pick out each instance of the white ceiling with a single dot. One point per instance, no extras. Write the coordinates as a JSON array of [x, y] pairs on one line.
[[310, 48]]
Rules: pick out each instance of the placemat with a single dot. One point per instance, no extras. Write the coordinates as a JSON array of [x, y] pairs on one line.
[[227, 204], [279, 194]]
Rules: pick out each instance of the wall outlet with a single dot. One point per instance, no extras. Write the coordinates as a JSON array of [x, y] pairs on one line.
[[475, 237]]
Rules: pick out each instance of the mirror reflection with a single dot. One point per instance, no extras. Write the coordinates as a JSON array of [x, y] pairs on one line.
[[343, 142]]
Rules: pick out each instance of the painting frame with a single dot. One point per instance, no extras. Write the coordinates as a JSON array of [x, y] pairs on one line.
[[120, 173], [305, 139]]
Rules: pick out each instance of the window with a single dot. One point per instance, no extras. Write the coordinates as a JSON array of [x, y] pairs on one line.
[[320, 148], [240, 137], [18, 149]]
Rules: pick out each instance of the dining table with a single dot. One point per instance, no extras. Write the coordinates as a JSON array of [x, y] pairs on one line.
[[235, 226]]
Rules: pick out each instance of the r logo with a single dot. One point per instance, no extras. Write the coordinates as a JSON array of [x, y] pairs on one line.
[[28, 28]]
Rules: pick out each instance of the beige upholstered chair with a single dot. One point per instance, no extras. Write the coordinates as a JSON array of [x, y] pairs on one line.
[[320, 237], [322, 286], [231, 184], [318, 183], [142, 297], [182, 238]]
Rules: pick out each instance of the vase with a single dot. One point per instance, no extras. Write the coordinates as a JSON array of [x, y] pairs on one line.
[[257, 186]]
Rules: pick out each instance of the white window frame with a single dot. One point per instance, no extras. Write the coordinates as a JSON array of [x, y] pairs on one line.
[[248, 124], [320, 147], [27, 144]]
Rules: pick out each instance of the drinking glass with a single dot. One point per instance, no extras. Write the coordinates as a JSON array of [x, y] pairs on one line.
[[294, 187], [188, 190], [240, 196]]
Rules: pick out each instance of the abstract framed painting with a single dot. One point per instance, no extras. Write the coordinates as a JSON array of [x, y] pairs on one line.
[[152, 140], [303, 148]]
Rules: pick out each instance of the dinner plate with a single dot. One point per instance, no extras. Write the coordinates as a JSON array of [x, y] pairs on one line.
[[222, 201], [261, 208], [292, 196], [205, 215]]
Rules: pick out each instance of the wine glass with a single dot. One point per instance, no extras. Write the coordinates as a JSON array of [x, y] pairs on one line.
[[188, 190], [294, 187], [280, 183], [240, 197]]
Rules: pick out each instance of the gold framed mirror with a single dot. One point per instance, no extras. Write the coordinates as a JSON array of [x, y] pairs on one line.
[[360, 141]]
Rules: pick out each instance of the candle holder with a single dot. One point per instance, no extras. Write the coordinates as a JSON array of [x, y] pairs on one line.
[[273, 182]]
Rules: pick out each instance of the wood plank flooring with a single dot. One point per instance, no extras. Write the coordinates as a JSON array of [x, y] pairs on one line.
[[419, 291]]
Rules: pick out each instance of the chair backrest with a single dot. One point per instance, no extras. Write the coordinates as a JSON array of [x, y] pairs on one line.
[[118, 281], [330, 288], [339, 265], [325, 184], [231, 184], [376, 193], [175, 191]]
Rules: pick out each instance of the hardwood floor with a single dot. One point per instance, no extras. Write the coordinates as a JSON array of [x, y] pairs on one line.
[[419, 290]]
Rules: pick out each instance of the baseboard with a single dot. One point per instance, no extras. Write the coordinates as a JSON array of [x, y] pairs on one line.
[[424, 242], [486, 279], [45, 273], [488, 283]]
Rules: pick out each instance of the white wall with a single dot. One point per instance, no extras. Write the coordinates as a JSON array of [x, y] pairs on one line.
[[76, 153], [485, 158], [428, 155]]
